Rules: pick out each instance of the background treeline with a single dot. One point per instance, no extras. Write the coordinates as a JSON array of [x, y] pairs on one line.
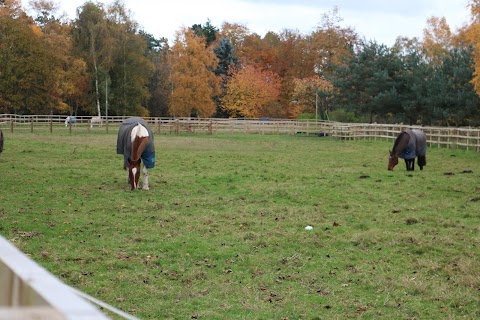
[[101, 61]]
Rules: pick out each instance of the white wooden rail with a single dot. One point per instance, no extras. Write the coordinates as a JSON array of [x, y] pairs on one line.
[[468, 138], [28, 291]]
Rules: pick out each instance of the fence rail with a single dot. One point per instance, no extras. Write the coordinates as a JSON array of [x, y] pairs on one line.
[[468, 138], [28, 291]]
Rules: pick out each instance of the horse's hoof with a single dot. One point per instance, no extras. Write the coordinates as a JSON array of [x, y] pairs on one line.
[[145, 188]]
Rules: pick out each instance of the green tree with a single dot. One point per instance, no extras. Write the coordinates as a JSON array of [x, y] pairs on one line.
[[414, 80], [451, 91], [93, 43], [131, 70], [207, 31], [368, 83], [227, 61], [159, 87]]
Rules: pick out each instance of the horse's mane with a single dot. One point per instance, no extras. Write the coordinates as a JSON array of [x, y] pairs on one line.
[[401, 142]]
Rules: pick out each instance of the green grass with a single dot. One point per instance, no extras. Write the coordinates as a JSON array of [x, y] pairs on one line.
[[221, 234]]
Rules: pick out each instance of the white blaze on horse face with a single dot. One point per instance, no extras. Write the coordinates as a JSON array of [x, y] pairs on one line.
[[134, 173]]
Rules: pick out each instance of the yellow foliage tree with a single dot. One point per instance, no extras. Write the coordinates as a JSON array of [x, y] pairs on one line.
[[306, 91], [252, 93], [437, 39], [194, 83]]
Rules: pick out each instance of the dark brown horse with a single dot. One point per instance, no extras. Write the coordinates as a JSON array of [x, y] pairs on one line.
[[1, 141], [409, 144]]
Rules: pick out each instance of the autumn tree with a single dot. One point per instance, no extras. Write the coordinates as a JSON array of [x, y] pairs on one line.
[[12, 9], [236, 33], [472, 36], [25, 61], [437, 39], [68, 71], [331, 44], [252, 93], [193, 80], [312, 93]]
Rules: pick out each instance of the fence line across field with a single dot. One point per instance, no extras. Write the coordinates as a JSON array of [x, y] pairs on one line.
[[451, 137]]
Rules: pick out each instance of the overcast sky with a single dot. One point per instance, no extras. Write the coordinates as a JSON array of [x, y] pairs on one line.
[[380, 20]]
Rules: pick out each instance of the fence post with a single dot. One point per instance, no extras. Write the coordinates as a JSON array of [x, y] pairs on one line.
[[31, 125], [11, 126], [210, 131]]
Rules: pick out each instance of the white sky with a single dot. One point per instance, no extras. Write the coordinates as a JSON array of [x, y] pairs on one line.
[[380, 20]]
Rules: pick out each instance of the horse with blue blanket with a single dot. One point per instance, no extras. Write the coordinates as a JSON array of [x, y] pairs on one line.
[[135, 142], [409, 144]]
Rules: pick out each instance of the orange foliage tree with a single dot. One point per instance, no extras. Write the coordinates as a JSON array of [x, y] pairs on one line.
[[69, 71], [305, 92], [472, 36], [192, 76], [252, 93]]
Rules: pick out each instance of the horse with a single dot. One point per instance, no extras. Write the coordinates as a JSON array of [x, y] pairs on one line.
[[408, 145], [95, 120], [70, 120], [1, 141], [135, 143]]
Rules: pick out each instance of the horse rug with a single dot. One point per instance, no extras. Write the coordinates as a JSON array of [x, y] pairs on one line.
[[417, 145], [124, 142]]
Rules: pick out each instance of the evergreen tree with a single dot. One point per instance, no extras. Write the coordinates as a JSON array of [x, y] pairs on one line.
[[227, 62]]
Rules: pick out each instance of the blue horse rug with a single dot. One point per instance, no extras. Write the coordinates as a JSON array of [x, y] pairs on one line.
[[417, 145], [124, 142]]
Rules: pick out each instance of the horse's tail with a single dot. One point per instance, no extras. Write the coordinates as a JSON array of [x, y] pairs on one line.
[[422, 161]]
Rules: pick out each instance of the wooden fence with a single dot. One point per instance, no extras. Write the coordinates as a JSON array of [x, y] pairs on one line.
[[468, 138], [28, 291]]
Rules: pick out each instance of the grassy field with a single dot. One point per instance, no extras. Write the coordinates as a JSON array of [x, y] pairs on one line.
[[221, 232]]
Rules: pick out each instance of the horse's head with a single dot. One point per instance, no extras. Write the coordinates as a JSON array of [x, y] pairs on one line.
[[134, 172], [392, 160]]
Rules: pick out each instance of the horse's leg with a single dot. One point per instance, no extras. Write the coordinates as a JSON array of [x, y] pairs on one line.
[[410, 164], [421, 162], [145, 179]]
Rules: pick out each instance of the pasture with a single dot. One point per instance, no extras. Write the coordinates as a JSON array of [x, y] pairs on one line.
[[221, 232]]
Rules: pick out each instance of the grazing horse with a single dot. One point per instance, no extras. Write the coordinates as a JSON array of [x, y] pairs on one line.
[[70, 120], [1, 141], [95, 120], [409, 144], [135, 142]]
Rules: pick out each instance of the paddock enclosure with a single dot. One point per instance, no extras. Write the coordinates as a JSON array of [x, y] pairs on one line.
[[452, 137], [221, 232]]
